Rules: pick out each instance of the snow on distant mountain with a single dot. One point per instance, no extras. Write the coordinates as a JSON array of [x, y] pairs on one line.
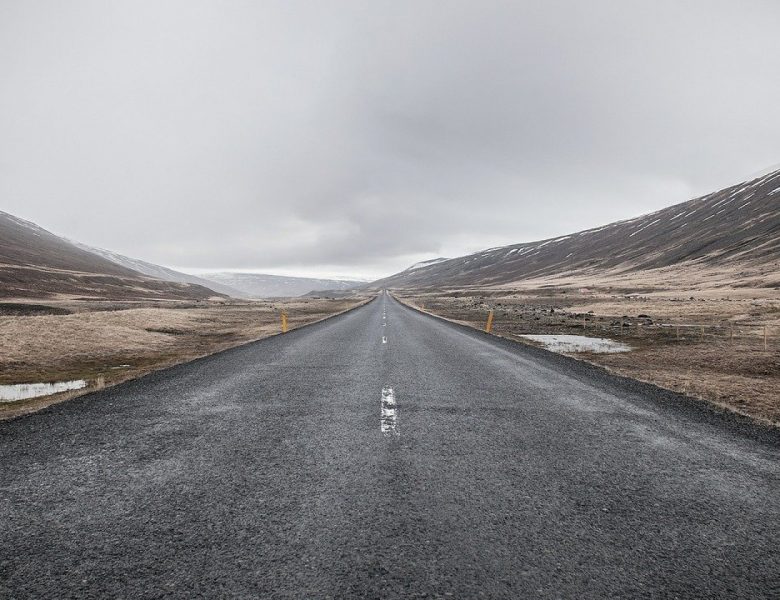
[[237, 285], [260, 285], [160, 272], [426, 263]]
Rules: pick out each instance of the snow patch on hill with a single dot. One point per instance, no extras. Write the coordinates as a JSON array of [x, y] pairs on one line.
[[426, 263]]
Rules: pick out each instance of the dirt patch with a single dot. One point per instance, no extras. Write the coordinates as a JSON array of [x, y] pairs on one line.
[[20, 309]]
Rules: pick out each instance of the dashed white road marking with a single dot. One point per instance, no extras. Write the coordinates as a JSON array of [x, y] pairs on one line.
[[388, 422]]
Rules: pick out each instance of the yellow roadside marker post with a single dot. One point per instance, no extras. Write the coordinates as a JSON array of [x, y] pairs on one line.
[[284, 321], [489, 324]]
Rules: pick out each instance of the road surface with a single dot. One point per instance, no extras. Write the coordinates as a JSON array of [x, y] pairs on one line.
[[385, 453]]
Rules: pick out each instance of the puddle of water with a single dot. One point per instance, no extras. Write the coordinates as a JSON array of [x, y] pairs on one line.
[[23, 391], [388, 423], [578, 343]]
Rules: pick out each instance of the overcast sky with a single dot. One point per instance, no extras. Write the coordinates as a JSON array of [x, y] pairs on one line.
[[355, 138]]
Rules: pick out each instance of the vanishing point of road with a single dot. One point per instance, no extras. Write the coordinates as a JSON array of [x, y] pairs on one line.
[[385, 453]]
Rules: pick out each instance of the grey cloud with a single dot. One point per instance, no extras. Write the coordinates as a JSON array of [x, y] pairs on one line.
[[359, 136]]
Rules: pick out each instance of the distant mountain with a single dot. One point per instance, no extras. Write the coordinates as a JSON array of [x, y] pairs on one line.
[[259, 285], [35, 263], [735, 228], [160, 272]]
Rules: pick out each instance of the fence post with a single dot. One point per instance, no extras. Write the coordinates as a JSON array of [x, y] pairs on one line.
[[702, 332], [766, 341], [489, 324]]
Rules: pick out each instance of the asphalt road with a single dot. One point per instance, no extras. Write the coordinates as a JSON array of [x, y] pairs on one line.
[[441, 462]]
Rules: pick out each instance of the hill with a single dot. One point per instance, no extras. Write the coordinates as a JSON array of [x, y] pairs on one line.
[[731, 237], [160, 272], [35, 263], [260, 285]]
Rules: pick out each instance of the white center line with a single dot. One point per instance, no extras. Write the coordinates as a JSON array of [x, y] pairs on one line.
[[388, 423]]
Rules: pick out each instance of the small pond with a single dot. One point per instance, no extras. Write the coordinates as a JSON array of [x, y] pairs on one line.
[[578, 343], [23, 391]]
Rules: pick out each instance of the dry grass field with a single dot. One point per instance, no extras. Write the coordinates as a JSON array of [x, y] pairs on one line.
[[109, 342], [706, 343]]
